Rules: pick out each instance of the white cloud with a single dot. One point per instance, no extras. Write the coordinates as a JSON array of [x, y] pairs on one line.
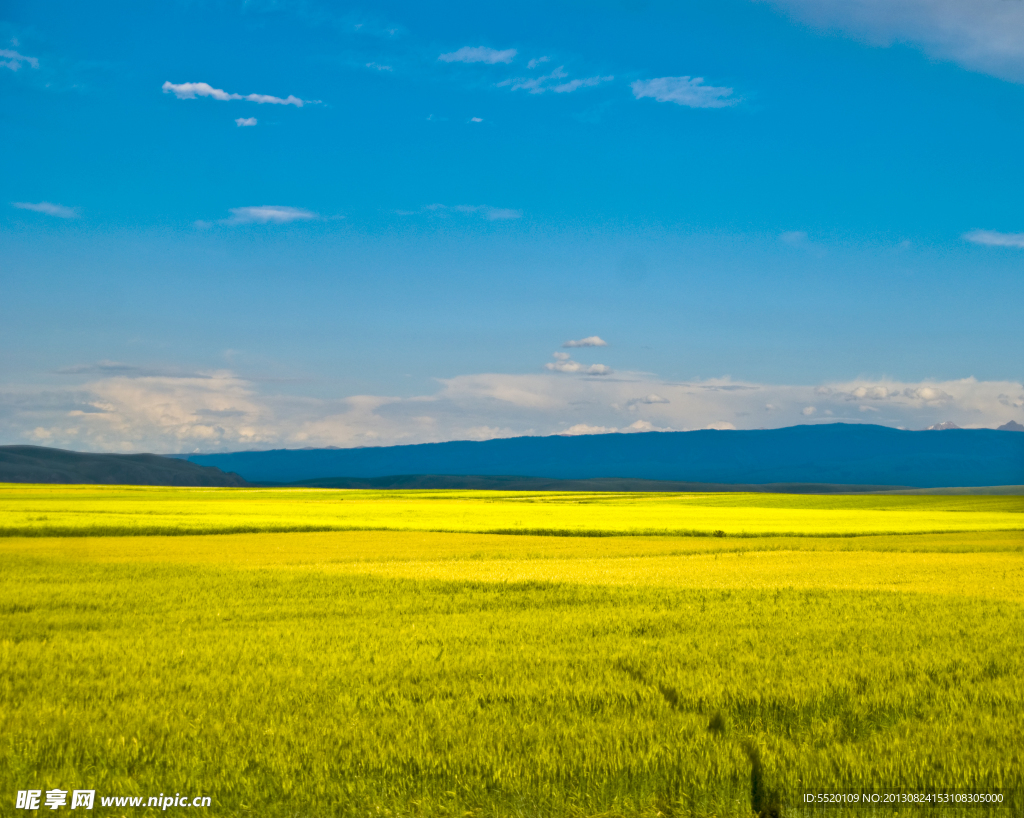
[[587, 429], [121, 407], [490, 213], [268, 214], [479, 54], [475, 119], [248, 122], [720, 425], [590, 341], [49, 208], [191, 90], [14, 60], [993, 238], [808, 411], [982, 35], [928, 394], [564, 363], [537, 61], [552, 82], [379, 67], [871, 392], [576, 366], [688, 91], [886, 392]]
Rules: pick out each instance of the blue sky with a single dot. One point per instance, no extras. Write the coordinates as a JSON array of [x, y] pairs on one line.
[[243, 225]]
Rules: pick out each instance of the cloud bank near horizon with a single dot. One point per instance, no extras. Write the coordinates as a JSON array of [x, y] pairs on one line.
[[122, 408]]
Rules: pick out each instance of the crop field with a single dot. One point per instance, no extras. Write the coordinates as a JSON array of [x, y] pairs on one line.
[[103, 510], [365, 671]]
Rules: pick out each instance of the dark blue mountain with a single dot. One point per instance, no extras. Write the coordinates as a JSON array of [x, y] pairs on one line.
[[831, 453]]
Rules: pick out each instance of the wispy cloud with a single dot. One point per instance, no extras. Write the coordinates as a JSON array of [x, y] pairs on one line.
[[799, 240], [247, 122], [537, 61], [590, 341], [269, 214], [649, 400], [14, 61], [564, 363], [552, 82], [982, 35], [378, 67], [101, 368], [482, 54], [191, 90], [49, 208], [573, 85], [118, 368], [688, 91], [993, 238], [490, 213]]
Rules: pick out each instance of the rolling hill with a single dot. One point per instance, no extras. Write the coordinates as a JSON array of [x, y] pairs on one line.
[[38, 464]]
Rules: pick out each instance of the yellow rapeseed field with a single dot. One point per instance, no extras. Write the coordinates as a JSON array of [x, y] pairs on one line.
[[70, 510], [323, 549], [419, 672]]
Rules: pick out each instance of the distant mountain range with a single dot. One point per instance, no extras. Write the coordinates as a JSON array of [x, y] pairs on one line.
[[500, 482], [39, 464], [866, 456], [1009, 426]]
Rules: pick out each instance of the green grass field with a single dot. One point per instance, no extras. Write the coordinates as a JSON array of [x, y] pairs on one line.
[[419, 673]]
